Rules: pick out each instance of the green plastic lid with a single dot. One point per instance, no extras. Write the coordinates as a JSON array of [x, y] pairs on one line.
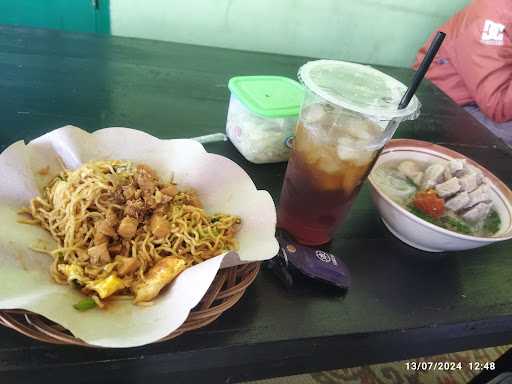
[[269, 96]]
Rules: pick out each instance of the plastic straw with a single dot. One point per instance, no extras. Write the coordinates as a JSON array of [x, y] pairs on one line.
[[422, 70]]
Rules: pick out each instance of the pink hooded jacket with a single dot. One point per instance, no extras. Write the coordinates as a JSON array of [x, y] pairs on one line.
[[474, 64]]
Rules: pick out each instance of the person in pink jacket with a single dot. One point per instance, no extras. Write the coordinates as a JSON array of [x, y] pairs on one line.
[[474, 64]]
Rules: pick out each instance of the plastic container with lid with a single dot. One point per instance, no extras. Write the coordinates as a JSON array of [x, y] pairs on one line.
[[262, 115]]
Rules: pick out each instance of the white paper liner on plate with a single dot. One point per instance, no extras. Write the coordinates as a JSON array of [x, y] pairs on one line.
[[25, 280]]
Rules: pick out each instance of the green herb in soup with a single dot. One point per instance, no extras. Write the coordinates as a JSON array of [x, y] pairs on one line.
[[445, 221], [492, 223], [451, 195]]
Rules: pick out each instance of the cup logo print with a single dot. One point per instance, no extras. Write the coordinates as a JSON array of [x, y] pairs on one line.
[[325, 257], [492, 33]]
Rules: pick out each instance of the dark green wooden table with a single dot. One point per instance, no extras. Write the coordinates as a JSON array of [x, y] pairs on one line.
[[403, 303]]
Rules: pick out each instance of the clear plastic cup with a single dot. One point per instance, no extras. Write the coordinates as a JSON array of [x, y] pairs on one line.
[[348, 114]]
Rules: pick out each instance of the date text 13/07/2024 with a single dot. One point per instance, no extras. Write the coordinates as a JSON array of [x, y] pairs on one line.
[[449, 365]]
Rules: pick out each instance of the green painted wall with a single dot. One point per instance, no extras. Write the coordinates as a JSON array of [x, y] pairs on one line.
[[372, 31], [70, 15]]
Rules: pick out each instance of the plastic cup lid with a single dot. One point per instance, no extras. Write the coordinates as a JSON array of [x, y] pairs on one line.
[[359, 88]]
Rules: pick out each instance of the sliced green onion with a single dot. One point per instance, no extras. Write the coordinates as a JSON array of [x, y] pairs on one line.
[[492, 223], [85, 304]]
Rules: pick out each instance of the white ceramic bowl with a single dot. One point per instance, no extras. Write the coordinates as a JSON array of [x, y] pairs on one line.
[[419, 233]]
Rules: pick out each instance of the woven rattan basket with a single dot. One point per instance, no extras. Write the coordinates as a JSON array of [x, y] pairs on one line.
[[227, 288]]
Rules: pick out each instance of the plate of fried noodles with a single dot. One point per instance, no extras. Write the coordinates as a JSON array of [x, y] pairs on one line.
[[117, 235]]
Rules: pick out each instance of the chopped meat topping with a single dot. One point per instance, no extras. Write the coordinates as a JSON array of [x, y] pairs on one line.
[[128, 227]]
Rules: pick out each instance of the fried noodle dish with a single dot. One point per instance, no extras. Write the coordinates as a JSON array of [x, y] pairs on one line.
[[124, 233]]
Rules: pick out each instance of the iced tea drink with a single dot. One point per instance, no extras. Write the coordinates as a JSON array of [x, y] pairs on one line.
[[349, 112], [334, 150]]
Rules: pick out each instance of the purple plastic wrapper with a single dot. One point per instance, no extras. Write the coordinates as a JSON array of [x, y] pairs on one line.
[[313, 263]]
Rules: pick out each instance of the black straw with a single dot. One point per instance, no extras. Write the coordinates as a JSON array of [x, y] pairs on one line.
[[423, 68]]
